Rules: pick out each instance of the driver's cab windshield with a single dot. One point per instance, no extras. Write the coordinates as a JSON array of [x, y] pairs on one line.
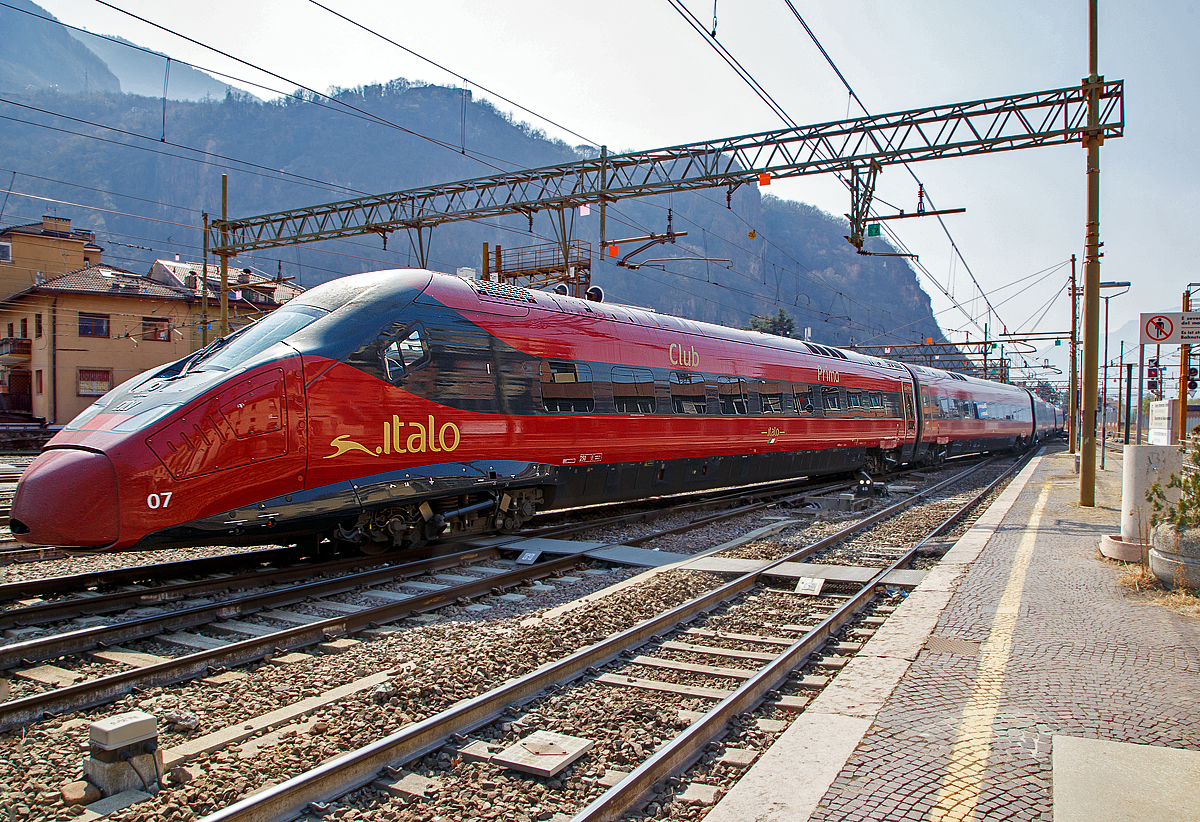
[[246, 343]]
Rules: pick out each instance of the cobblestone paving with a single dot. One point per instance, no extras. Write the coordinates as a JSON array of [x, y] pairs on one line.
[[1084, 662]]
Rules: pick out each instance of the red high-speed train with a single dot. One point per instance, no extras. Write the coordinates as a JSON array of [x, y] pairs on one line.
[[394, 407]]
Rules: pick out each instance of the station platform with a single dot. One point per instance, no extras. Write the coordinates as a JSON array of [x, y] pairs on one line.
[[1017, 681]]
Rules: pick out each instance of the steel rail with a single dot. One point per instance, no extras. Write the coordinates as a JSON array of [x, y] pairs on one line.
[[354, 769], [143, 573], [679, 754], [1052, 117], [60, 610], [99, 691], [87, 639]]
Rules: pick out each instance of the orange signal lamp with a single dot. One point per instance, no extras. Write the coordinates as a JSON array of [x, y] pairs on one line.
[[752, 234], [612, 251], [764, 179]]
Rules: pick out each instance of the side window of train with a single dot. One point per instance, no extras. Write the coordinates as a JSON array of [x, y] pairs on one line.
[[804, 399], [633, 390], [733, 396], [831, 399], [854, 400], [771, 394], [567, 387], [687, 393], [405, 353], [945, 402], [981, 410]]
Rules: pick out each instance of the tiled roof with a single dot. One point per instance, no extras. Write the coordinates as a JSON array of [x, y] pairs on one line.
[[110, 280], [176, 273]]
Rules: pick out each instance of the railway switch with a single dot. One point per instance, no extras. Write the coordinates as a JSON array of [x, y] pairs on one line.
[[124, 754]]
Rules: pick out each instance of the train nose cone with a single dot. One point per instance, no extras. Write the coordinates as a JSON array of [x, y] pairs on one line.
[[66, 498]]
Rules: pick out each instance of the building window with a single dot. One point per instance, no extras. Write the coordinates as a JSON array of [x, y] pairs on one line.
[[92, 325], [24, 327], [37, 380], [10, 331], [37, 326], [156, 328], [94, 382]]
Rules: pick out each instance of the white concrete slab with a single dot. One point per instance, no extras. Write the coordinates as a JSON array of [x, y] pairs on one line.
[[1100, 781], [641, 557], [543, 753], [790, 778], [862, 687]]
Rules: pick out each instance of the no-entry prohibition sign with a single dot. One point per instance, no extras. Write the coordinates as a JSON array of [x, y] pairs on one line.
[[1171, 328], [1159, 328]]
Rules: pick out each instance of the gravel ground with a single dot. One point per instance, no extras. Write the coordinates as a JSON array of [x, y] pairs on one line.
[[433, 662]]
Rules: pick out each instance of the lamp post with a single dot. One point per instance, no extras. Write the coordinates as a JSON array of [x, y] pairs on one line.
[[1104, 396]]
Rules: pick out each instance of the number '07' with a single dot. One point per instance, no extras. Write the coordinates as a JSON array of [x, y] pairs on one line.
[[159, 500]]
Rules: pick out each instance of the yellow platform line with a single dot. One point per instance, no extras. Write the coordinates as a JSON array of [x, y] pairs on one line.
[[960, 789]]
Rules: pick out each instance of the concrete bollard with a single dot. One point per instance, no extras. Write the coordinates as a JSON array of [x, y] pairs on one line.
[[124, 754], [1144, 465]]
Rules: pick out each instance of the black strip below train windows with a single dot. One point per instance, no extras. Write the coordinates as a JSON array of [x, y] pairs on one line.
[[687, 393], [633, 390], [567, 387]]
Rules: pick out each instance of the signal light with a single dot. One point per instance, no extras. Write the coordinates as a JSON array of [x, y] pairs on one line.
[[1191, 385], [1153, 373], [1152, 362], [1152, 385], [1192, 372]]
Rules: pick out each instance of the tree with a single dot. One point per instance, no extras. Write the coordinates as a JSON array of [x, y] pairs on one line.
[[780, 323]]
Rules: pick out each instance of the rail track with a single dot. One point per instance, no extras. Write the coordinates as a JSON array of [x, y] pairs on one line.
[[691, 640]]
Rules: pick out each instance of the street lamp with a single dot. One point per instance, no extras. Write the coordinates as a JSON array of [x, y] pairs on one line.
[[1104, 413]]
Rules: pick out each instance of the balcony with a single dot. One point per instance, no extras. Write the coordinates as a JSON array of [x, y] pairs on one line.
[[15, 350]]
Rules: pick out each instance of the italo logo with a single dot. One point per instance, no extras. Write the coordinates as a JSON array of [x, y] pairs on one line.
[[684, 356], [404, 437], [828, 376]]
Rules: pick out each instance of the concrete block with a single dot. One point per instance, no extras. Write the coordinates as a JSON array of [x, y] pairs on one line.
[[698, 793], [49, 675], [737, 757], [288, 659], [611, 777], [543, 753], [410, 786], [337, 646], [136, 773], [114, 803]]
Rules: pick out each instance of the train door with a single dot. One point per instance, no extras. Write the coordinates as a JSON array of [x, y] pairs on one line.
[[910, 418]]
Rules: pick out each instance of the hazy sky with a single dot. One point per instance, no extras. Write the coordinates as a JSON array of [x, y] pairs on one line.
[[633, 75]]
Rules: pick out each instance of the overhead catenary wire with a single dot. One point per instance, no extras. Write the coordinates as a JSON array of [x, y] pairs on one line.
[[464, 79], [907, 166]]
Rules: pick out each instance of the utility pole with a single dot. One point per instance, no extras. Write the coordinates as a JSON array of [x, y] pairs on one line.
[[1073, 402], [225, 256], [1091, 273], [204, 289]]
